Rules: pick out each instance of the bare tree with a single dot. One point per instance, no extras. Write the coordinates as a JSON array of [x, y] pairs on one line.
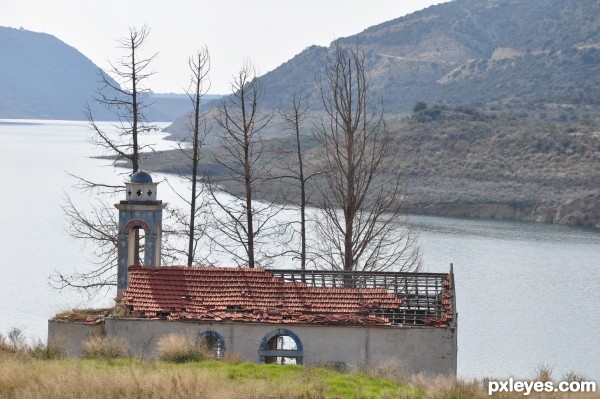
[[98, 227], [125, 98], [293, 116], [241, 123], [188, 220], [361, 227]]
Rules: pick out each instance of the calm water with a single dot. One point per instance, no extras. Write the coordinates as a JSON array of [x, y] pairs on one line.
[[527, 293]]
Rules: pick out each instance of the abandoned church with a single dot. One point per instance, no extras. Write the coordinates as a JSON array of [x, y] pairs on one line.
[[313, 317]]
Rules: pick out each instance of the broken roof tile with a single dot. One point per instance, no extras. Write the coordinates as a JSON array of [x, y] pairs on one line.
[[243, 294]]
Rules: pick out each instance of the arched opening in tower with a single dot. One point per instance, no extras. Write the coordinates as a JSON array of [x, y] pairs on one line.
[[136, 241]]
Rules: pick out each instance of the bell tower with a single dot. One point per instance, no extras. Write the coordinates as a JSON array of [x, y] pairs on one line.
[[139, 213]]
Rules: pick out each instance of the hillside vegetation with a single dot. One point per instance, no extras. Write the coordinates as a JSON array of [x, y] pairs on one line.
[[463, 162], [459, 161]]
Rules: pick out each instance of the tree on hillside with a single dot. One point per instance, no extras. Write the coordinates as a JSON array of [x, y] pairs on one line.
[[419, 106], [361, 227], [240, 121], [125, 100], [188, 221]]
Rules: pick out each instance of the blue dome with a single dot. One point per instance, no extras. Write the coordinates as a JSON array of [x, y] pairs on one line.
[[140, 177]]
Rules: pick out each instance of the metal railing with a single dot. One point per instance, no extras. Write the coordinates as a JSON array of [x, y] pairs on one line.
[[425, 297]]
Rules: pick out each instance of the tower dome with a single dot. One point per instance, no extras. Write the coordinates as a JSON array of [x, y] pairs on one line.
[[140, 177], [141, 188]]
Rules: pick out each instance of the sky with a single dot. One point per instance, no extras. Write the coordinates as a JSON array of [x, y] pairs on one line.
[[266, 32]]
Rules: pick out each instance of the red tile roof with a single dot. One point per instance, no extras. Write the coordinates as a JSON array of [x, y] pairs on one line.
[[250, 295]]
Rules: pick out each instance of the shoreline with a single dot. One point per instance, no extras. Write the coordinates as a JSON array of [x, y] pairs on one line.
[[576, 212]]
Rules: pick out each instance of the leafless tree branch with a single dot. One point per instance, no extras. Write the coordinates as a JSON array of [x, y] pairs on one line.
[[361, 223], [241, 123]]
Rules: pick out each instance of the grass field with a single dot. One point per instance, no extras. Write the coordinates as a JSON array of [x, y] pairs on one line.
[[35, 370], [25, 376]]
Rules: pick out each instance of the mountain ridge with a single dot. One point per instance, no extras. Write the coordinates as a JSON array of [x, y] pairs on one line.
[[489, 54], [469, 52], [42, 77]]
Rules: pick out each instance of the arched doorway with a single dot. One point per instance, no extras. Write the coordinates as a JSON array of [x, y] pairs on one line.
[[281, 346]]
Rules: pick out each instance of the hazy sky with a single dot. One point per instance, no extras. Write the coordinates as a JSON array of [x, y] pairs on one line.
[[268, 32]]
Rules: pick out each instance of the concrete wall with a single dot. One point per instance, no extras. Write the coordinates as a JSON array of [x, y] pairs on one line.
[[70, 336], [417, 349]]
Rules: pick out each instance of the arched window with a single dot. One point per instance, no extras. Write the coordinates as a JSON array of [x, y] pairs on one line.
[[137, 230], [213, 342], [281, 346]]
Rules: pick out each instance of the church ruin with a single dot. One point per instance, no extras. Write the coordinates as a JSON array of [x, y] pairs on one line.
[[312, 317]]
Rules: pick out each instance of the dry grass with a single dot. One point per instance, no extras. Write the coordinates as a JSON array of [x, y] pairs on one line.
[[15, 346], [82, 315], [23, 377], [178, 348], [101, 347], [92, 380]]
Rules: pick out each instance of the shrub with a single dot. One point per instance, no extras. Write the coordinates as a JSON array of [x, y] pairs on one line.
[[544, 373], [16, 339], [419, 106], [5, 347], [178, 348], [101, 347], [3, 342], [572, 376], [39, 350]]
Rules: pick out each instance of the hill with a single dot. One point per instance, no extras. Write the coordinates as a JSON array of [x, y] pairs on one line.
[[42, 77], [470, 52], [513, 88], [465, 162], [480, 53]]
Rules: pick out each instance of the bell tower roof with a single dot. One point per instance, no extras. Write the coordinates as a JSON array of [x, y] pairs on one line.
[[140, 189], [140, 177]]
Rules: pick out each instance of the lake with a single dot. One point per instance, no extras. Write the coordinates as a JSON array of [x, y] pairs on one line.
[[526, 293]]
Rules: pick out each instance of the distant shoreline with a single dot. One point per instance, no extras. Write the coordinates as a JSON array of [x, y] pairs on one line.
[[576, 212]]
